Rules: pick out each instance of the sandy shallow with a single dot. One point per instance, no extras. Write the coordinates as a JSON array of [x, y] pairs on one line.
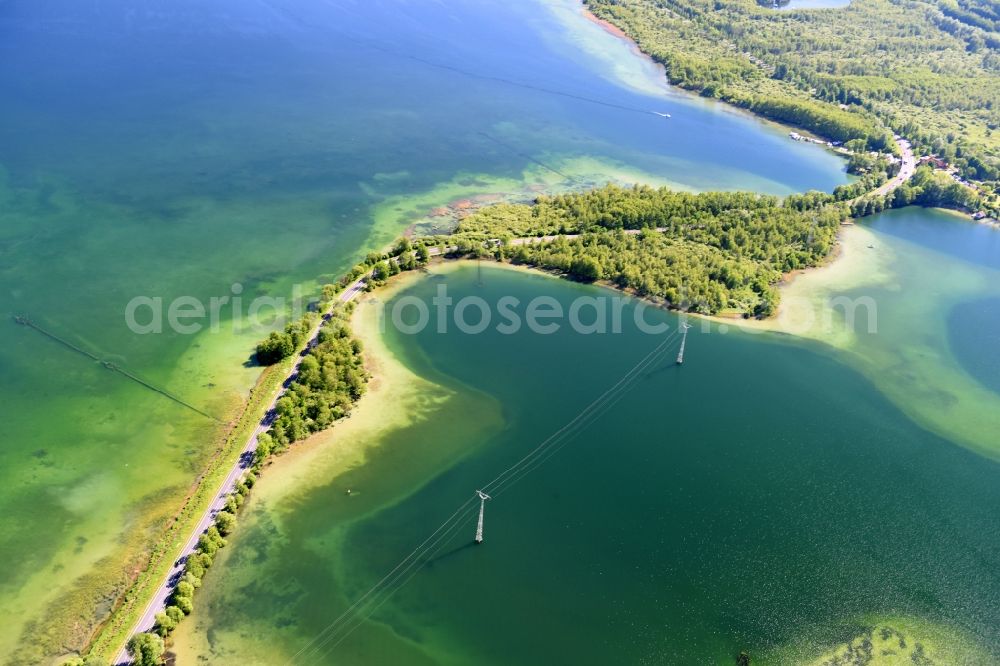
[[887, 641], [344, 446], [805, 310], [342, 458], [882, 303]]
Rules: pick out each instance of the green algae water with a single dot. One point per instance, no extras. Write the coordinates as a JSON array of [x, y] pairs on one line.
[[765, 496], [181, 148]]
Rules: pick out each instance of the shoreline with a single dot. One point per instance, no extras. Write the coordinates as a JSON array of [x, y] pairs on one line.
[[831, 304], [334, 457], [243, 432], [168, 516], [966, 216], [855, 261], [841, 262], [692, 96], [632, 45], [388, 375], [335, 462], [393, 382], [306, 466]]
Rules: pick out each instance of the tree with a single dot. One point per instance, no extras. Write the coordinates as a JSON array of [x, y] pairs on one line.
[[265, 445], [184, 589], [164, 624], [332, 377], [402, 247], [174, 613], [381, 272], [213, 533], [234, 502], [207, 545], [184, 604], [146, 649], [225, 522], [586, 268], [407, 261], [194, 565], [275, 347], [423, 255]]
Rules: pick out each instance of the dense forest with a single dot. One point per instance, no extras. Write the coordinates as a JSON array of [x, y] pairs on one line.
[[706, 252], [330, 380], [927, 69]]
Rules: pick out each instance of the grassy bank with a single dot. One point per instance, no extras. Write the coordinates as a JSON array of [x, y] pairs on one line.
[[111, 635]]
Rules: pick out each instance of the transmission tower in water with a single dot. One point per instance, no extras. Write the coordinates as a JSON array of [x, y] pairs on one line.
[[684, 339], [482, 509]]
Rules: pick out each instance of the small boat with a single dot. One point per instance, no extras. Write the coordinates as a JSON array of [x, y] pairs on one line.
[[662, 115]]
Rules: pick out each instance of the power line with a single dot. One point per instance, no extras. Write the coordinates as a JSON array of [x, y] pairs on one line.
[[361, 601], [619, 386], [499, 79], [384, 595], [25, 321], [358, 612], [592, 416], [527, 157]]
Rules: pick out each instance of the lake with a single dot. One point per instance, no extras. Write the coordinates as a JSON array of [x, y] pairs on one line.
[[191, 149], [765, 496]]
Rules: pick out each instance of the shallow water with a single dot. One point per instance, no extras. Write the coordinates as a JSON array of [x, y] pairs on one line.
[[178, 148], [936, 334]]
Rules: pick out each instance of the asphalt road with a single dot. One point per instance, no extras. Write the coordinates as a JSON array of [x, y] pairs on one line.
[[905, 171], [159, 600]]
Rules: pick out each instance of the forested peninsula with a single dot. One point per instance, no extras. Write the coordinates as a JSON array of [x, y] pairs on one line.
[[707, 252], [928, 70]]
